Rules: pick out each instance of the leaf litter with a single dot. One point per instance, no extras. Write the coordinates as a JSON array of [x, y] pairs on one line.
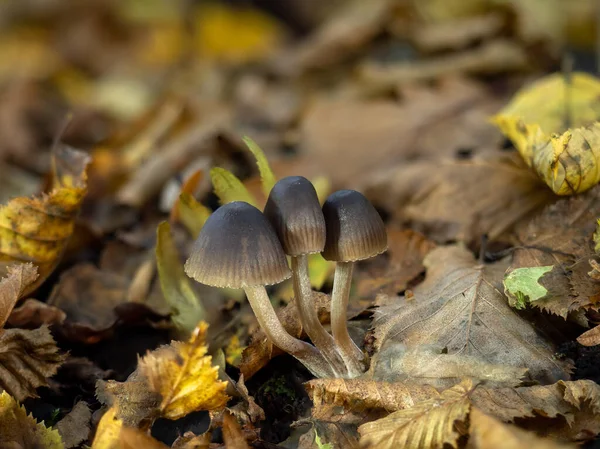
[[178, 108]]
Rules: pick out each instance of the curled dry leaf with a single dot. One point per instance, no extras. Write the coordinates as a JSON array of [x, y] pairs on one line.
[[459, 307], [33, 314], [18, 429], [590, 338], [18, 279], [183, 375], [556, 132], [486, 432], [356, 400], [74, 428], [37, 229], [27, 359], [561, 236], [428, 424]]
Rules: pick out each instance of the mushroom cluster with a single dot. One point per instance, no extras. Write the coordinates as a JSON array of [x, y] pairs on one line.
[[242, 247]]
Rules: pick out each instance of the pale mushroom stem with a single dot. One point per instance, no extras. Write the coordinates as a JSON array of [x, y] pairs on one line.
[[307, 354], [310, 318], [351, 354]]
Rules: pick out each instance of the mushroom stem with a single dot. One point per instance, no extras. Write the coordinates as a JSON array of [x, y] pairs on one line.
[[309, 317], [351, 354], [307, 354]]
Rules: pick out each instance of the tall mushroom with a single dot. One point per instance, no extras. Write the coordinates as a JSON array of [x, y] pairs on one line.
[[355, 232], [294, 211], [238, 248]]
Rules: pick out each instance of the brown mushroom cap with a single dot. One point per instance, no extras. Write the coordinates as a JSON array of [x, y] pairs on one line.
[[355, 231], [295, 213], [237, 248]]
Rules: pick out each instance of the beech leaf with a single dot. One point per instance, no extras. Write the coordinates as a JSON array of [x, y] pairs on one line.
[[12, 287]]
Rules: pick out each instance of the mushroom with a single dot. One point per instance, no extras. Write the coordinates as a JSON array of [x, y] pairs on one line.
[[294, 211], [355, 231], [238, 248]]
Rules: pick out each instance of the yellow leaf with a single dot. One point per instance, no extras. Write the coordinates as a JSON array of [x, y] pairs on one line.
[[427, 425], [323, 187], [108, 431], [233, 351], [229, 188], [192, 214], [18, 429], [234, 35], [176, 286], [183, 375], [566, 159], [267, 177], [38, 229]]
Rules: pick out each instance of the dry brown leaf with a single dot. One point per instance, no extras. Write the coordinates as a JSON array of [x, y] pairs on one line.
[[486, 432], [27, 359], [190, 441], [74, 428], [18, 278], [356, 401], [561, 235], [248, 410], [566, 411], [497, 56], [260, 350], [38, 229], [19, 430], [459, 308], [440, 200], [369, 135], [33, 314], [429, 424], [183, 375], [232, 433], [403, 262], [590, 338]]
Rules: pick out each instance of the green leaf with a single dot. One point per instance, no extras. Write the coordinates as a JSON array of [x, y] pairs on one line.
[[266, 174], [322, 186], [320, 444], [522, 287], [228, 187], [319, 270], [192, 214], [177, 289]]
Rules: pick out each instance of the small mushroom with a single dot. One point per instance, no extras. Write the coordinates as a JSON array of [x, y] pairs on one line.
[[355, 232], [238, 248], [294, 211]]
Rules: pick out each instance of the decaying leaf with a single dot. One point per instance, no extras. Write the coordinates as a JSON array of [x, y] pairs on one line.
[[74, 428], [554, 127], [460, 309], [590, 338], [521, 286], [561, 236], [19, 277], [37, 229], [486, 432], [176, 286], [183, 375], [356, 400], [27, 359], [32, 314], [232, 434], [18, 429], [429, 424]]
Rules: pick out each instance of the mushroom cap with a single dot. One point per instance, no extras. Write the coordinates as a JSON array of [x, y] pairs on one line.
[[295, 213], [237, 248], [355, 231]]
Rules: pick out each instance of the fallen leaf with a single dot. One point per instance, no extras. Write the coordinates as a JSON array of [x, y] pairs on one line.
[[27, 359], [190, 441], [459, 308], [130, 438], [74, 428], [38, 229], [183, 375], [590, 338], [12, 287], [108, 431], [486, 432], [428, 424], [561, 236], [356, 400], [18, 429], [192, 214], [176, 286], [521, 286], [229, 188], [556, 133], [402, 263], [232, 434], [32, 314]]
